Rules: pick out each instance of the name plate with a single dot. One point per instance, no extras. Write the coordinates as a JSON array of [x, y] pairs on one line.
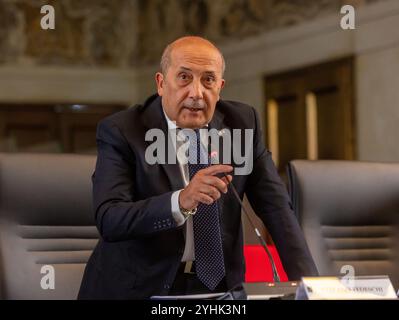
[[353, 288]]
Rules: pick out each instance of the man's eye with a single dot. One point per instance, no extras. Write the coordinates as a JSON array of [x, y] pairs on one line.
[[210, 79], [183, 76]]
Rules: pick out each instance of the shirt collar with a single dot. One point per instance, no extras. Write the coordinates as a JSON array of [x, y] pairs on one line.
[[171, 124]]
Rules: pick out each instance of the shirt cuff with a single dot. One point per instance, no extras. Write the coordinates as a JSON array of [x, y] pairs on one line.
[[176, 213]]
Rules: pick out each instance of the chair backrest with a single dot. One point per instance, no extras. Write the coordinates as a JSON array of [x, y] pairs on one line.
[[46, 224], [349, 212]]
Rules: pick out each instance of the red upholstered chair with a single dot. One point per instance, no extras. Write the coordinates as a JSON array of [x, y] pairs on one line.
[[258, 267]]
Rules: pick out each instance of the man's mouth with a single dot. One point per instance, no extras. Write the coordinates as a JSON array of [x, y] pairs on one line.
[[194, 109]]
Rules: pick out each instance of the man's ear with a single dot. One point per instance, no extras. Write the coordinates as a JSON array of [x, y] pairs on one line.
[[159, 81], [222, 84]]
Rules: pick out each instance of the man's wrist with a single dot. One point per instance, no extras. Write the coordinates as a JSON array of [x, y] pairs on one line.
[[186, 212], [183, 209]]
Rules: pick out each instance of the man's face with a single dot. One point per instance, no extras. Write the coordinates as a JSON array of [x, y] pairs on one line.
[[192, 84]]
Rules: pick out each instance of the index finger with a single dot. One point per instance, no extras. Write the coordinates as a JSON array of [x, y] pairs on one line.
[[218, 168]]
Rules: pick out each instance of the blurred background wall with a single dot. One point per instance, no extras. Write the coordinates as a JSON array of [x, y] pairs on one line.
[[322, 92]]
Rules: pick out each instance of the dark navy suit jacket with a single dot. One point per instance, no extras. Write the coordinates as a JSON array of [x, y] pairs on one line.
[[140, 247]]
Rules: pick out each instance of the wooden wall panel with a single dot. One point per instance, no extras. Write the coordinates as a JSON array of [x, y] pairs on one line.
[[52, 127], [331, 86]]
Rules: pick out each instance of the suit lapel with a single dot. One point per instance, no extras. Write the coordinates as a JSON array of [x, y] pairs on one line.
[[218, 124], [154, 117]]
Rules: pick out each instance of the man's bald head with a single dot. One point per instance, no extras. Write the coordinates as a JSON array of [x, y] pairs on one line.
[[190, 81], [187, 41]]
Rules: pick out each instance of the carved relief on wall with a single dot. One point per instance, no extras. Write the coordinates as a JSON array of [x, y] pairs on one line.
[[122, 33], [161, 21], [11, 32], [90, 32]]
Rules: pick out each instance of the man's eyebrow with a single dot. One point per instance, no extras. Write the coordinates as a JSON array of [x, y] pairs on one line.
[[206, 72], [185, 68]]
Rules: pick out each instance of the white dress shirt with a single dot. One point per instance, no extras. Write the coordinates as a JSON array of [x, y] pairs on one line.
[[180, 219]]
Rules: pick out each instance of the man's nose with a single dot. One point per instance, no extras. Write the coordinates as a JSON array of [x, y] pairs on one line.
[[196, 90]]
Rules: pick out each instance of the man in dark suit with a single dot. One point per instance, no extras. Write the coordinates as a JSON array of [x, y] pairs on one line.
[[175, 228]]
